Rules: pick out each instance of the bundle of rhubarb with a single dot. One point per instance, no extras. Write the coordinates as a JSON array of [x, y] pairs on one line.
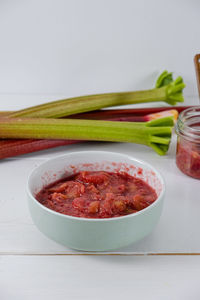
[[74, 120]]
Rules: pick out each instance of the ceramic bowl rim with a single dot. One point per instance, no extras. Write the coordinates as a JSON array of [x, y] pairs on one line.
[[160, 197]]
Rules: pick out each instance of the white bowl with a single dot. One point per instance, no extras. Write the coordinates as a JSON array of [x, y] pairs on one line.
[[94, 234]]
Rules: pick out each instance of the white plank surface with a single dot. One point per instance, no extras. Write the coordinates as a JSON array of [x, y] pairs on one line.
[[34, 267], [99, 277]]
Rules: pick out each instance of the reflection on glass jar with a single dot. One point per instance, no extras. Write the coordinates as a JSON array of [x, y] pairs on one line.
[[188, 142]]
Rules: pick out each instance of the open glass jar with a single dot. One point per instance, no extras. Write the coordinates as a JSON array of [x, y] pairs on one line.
[[188, 142]]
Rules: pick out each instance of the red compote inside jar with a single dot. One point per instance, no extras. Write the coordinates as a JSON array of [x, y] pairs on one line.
[[188, 142]]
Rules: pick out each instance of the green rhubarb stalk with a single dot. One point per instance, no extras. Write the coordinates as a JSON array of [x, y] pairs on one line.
[[156, 133], [167, 90]]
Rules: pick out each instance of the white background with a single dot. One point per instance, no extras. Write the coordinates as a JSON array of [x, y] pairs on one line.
[[75, 47], [55, 49]]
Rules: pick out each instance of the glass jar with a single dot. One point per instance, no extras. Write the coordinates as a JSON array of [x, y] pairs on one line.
[[188, 142]]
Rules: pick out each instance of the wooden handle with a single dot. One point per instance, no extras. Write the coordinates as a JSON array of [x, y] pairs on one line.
[[197, 68]]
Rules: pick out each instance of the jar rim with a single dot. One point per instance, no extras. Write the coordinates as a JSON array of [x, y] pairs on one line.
[[185, 125]]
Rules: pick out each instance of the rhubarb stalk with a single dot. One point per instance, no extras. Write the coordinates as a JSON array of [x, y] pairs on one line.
[[173, 90], [167, 90], [10, 148], [118, 113], [155, 133]]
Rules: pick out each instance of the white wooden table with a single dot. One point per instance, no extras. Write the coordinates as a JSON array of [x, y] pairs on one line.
[[164, 265]]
